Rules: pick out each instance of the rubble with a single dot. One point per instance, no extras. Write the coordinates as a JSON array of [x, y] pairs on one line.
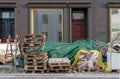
[[88, 61]]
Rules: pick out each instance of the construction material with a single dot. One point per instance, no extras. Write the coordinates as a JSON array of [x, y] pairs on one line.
[[32, 41], [88, 62], [34, 61], [59, 64], [87, 55]]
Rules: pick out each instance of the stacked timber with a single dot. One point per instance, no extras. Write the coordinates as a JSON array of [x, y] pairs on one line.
[[35, 60], [59, 64]]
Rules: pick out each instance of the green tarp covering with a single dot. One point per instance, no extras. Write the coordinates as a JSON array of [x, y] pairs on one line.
[[61, 50]]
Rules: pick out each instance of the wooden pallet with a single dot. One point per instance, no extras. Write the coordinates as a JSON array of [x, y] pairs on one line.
[[41, 64], [29, 50], [32, 35], [30, 63], [42, 58], [33, 61], [59, 64], [35, 55], [34, 69], [27, 64], [29, 67], [26, 44], [41, 67], [33, 38], [58, 70], [31, 41], [59, 67]]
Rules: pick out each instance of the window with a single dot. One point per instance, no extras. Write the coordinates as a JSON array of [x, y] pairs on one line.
[[7, 14], [59, 36], [78, 15], [7, 24], [47, 21], [115, 22], [60, 19]]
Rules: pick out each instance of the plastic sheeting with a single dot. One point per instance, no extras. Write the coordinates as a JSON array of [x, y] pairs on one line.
[[69, 50]]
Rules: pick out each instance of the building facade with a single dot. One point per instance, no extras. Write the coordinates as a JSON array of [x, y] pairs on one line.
[[60, 20]]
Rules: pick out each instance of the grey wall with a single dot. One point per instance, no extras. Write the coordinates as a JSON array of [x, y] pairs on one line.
[[98, 17]]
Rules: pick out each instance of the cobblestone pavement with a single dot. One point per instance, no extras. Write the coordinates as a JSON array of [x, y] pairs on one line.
[[61, 76]]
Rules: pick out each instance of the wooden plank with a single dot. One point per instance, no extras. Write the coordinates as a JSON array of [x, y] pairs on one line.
[[59, 64]]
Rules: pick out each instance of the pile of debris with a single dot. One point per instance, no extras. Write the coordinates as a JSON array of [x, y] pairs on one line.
[[88, 61]]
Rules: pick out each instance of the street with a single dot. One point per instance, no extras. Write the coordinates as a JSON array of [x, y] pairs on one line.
[[86, 75]]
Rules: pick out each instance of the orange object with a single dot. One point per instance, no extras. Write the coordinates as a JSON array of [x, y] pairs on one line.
[[7, 40], [0, 40]]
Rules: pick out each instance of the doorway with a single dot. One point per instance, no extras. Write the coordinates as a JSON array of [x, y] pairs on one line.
[[7, 25], [78, 24]]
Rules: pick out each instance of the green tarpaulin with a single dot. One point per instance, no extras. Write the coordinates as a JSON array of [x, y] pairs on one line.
[[61, 50]]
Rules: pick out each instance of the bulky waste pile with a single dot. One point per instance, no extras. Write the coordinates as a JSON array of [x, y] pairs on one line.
[[90, 60], [83, 55]]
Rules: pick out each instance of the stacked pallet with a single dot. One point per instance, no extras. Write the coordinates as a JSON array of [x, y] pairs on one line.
[[35, 60], [32, 41], [59, 64]]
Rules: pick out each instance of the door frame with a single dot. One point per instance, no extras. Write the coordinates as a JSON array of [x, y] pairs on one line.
[[110, 22], [85, 24]]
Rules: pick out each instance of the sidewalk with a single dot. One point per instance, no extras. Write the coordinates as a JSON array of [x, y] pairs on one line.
[[86, 75]]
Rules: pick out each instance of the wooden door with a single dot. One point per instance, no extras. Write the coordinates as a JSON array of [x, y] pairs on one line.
[[77, 30]]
